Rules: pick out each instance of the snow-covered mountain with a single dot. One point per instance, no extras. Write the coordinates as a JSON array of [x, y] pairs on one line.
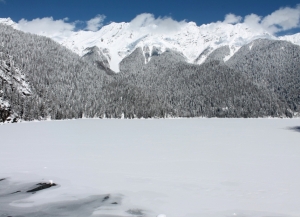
[[261, 79], [117, 40]]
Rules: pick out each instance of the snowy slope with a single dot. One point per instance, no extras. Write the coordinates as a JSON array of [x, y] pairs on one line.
[[117, 40], [295, 39], [180, 167]]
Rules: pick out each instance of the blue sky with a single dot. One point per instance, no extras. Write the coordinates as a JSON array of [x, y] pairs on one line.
[[201, 12]]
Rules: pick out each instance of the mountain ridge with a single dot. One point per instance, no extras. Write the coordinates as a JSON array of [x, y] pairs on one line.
[[196, 43]]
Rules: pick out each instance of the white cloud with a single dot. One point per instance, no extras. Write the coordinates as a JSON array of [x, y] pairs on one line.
[[283, 19], [46, 26], [95, 23], [148, 23], [253, 21], [232, 19], [280, 20]]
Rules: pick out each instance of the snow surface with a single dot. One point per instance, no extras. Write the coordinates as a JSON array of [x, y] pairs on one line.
[[178, 167]]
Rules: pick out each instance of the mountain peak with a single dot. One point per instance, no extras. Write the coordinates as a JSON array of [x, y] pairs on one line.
[[7, 21]]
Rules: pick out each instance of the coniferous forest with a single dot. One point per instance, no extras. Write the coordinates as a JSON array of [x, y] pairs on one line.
[[40, 79]]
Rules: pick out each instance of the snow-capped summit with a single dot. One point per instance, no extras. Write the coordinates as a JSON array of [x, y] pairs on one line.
[[120, 39], [7, 21]]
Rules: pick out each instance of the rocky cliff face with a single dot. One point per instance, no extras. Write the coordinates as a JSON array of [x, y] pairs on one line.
[[98, 57], [11, 78]]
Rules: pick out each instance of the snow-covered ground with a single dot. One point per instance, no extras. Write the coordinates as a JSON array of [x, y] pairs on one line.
[[177, 167]]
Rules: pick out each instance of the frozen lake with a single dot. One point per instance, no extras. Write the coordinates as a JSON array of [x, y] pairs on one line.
[[178, 167]]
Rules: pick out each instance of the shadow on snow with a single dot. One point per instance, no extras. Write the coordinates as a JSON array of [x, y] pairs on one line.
[[297, 128]]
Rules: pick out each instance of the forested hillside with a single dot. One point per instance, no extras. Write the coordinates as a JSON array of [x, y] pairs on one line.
[[40, 79], [212, 89], [274, 65], [62, 84]]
